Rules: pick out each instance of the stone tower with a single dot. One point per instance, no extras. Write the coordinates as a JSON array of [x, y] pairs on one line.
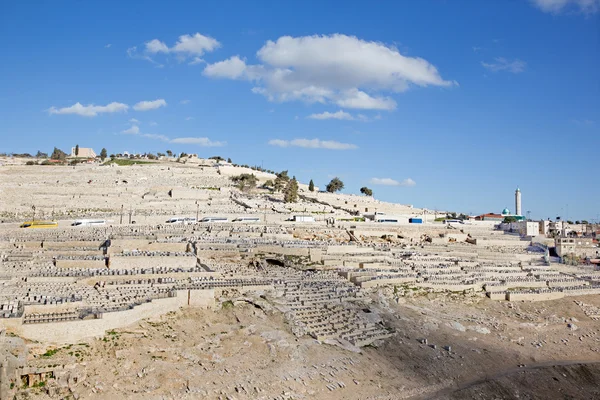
[[518, 202]]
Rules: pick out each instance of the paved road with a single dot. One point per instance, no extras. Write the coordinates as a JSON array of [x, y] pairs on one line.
[[500, 374]]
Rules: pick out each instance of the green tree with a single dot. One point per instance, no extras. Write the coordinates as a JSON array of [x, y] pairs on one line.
[[76, 150], [509, 219], [229, 161], [290, 193], [103, 154], [245, 182], [41, 155], [281, 181], [366, 191], [311, 186], [169, 153], [58, 154], [335, 185], [268, 183]]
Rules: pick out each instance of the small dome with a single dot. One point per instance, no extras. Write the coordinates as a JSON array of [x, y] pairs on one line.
[[506, 211]]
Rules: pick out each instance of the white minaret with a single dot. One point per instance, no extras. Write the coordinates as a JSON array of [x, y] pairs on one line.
[[518, 202]]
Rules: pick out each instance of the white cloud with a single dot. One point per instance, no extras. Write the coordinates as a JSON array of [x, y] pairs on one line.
[[232, 68], [133, 53], [355, 98], [152, 123], [502, 64], [134, 121], [341, 115], [155, 136], [189, 118], [195, 45], [558, 6], [196, 60], [185, 102], [338, 69], [134, 130], [107, 46], [200, 141], [156, 46], [150, 105], [90, 110], [313, 144], [392, 182]]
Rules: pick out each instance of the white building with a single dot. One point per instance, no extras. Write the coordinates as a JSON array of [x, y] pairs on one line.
[[84, 152]]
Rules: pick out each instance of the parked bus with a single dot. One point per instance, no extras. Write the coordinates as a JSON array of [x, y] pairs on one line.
[[184, 221], [247, 219], [214, 219], [89, 222], [39, 224]]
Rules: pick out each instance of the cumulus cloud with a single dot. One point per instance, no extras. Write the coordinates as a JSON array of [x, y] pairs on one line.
[[90, 110], [150, 105], [156, 46], [192, 45], [392, 182], [232, 68], [502, 64], [338, 69], [313, 144], [134, 121], [134, 130], [558, 6]]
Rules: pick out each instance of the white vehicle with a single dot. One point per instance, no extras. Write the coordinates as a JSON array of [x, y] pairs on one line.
[[89, 222], [184, 221], [247, 219], [214, 219], [453, 221], [303, 218]]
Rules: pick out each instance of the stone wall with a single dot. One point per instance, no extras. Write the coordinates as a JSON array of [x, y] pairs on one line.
[[72, 331], [80, 264], [131, 262]]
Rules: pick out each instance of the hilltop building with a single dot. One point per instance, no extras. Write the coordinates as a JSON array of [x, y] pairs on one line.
[[84, 152], [506, 212]]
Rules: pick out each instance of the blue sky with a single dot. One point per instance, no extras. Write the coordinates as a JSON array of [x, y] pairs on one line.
[[439, 104]]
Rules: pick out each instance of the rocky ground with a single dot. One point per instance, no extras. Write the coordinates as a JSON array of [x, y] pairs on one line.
[[498, 350]]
